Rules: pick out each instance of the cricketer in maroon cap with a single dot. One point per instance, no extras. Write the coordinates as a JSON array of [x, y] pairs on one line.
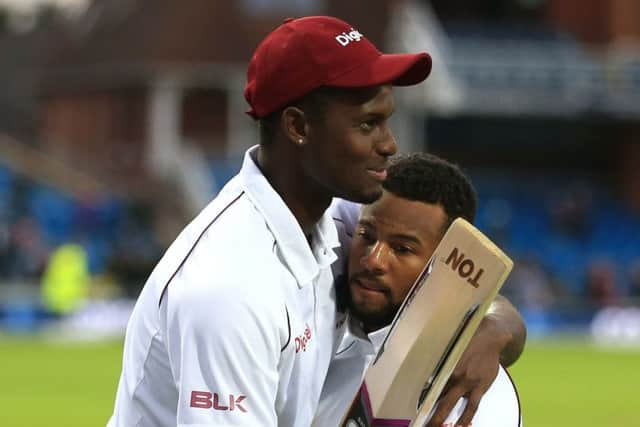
[[237, 323], [322, 95]]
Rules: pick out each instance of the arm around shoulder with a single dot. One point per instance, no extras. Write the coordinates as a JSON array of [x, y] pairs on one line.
[[499, 407], [509, 326]]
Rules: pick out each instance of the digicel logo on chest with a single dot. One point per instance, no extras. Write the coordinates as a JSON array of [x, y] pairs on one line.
[[302, 339]]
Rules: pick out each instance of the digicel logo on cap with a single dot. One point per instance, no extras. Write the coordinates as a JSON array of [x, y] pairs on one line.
[[346, 38]]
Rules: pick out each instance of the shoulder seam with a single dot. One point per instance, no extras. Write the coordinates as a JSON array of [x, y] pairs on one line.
[[164, 290], [289, 328]]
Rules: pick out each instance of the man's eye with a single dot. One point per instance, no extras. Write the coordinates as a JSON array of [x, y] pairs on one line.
[[402, 249], [364, 234], [367, 126]]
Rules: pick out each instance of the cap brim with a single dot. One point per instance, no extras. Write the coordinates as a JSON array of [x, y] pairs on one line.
[[396, 69]]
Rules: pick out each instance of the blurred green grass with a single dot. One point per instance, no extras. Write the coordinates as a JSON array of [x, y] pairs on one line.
[[571, 382], [562, 382], [54, 384]]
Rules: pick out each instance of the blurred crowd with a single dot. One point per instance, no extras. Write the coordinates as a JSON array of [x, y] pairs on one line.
[[43, 231], [574, 245]]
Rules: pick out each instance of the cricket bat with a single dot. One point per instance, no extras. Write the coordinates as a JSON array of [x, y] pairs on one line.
[[431, 330]]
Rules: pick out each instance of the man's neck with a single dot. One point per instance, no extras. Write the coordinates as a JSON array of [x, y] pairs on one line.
[[302, 196]]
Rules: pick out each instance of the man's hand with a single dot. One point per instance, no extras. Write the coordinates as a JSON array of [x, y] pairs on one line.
[[499, 339]]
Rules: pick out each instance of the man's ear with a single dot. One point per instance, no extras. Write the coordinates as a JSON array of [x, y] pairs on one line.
[[295, 125]]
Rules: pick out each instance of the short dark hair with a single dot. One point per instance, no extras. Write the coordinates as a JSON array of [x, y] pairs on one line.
[[428, 178]]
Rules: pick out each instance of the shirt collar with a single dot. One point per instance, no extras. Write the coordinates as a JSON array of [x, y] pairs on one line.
[[372, 341], [296, 252], [377, 337]]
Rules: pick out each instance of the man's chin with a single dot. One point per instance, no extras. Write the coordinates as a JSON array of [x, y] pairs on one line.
[[364, 196], [372, 318]]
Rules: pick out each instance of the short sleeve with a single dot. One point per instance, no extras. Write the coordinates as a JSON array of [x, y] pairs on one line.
[[224, 349]]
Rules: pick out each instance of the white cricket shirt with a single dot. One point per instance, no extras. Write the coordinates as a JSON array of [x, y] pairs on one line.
[[236, 324], [499, 407]]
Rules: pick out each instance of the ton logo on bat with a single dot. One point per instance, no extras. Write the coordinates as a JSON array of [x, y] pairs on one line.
[[464, 266]]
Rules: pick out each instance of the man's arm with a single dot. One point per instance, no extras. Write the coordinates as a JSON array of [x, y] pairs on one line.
[[505, 321], [500, 339], [224, 348], [500, 406]]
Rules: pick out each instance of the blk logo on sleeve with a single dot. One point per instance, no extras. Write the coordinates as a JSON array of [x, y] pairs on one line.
[[208, 400]]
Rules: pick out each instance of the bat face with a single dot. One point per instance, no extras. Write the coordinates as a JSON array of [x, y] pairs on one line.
[[431, 330]]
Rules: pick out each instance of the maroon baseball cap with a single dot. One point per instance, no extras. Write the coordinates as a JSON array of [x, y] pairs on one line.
[[305, 53]]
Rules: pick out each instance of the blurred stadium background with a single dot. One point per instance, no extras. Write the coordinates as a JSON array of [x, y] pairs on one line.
[[120, 119]]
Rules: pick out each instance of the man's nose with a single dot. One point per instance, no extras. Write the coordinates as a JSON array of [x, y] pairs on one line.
[[375, 258], [387, 146]]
